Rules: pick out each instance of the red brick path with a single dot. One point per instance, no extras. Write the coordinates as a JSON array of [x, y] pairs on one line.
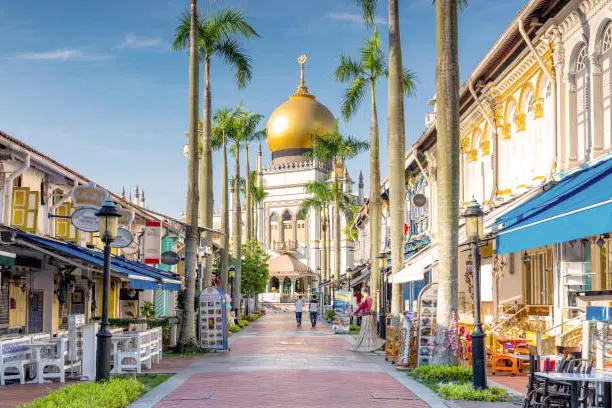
[[14, 395]]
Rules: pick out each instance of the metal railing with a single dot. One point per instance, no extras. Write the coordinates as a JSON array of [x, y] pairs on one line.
[[547, 340], [284, 246]]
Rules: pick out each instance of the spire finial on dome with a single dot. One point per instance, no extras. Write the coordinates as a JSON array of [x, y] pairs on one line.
[[302, 90]]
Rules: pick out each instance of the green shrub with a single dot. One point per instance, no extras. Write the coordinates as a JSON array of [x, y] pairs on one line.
[[443, 374], [251, 318], [148, 310], [243, 323], [329, 315], [354, 327], [116, 393], [467, 392], [233, 328]]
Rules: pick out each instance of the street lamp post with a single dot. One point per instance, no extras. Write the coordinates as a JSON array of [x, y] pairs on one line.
[[382, 327], [108, 219], [232, 276], [474, 231], [349, 275]]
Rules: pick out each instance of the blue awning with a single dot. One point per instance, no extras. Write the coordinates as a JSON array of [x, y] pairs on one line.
[[578, 206], [140, 276]]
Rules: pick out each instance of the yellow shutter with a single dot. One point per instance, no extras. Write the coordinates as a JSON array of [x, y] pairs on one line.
[[63, 226], [19, 207], [33, 203]]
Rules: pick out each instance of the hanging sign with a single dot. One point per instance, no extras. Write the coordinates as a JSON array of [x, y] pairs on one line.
[[213, 319], [170, 258], [152, 242], [131, 249], [126, 216], [419, 200], [88, 195], [124, 238], [85, 220]]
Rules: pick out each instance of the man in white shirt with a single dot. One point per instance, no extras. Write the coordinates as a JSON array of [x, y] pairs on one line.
[[299, 305], [314, 308]]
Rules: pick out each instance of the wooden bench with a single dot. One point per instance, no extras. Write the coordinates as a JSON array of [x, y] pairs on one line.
[[14, 356], [137, 350]]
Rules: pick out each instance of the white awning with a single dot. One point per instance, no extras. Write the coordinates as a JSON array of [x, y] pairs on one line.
[[415, 270]]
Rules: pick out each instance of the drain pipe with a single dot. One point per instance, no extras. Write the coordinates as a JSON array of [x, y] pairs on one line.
[[66, 197], [8, 189], [495, 137], [553, 81]]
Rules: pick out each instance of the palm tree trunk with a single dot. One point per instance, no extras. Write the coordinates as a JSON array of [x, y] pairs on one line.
[[328, 249], [397, 147], [206, 178], [447, 123], [247, 194], [187, 332], [337, 235], [224, 220], [324, 249], [237, 250], [375, 210]]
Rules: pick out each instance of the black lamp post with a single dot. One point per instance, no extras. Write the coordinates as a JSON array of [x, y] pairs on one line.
[[349, 275], [232, 276], [108, 219], [382, 296], [474, 231]]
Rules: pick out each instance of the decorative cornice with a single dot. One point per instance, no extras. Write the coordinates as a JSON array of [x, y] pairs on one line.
[[473, 155], [537, 106], [507, 131], [519, 121], [465, 144], [485, 147]]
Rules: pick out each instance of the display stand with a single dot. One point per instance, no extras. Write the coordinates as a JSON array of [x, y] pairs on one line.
[[427, 313], [213, 319]]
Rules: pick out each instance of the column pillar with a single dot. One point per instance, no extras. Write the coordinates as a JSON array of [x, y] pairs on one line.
[[293, 281], [572, 133], [596, 105]]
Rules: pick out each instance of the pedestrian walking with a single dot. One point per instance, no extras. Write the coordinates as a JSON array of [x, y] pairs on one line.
[[313, 308], [299, 305]]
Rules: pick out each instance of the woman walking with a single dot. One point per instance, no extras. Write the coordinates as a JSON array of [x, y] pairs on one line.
[[368, 338]]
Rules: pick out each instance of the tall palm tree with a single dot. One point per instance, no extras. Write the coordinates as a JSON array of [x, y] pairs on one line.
[[252, 136], [319, 200], [337, 149], [224, 123], [218, 35], [447, 125], [359, 74], [258, 193], [187, 332]]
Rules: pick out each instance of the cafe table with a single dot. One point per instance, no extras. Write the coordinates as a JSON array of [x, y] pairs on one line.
[[596, 377], [36, 347]]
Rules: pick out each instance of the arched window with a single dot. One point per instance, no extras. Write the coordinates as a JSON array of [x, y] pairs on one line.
[[274, 229], [582, 104], [606, 83], [287, 226]]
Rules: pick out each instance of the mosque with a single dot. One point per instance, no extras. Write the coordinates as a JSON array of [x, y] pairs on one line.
[[294, 242]]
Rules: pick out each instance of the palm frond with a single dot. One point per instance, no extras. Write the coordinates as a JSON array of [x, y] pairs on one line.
[[368, 9], [238, 60], [231, 21], [372, 56], [352, 97], [181, 34], [409, 80], [348, 70]]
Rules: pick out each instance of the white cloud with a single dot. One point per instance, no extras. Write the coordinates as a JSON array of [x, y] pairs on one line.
[[61, 55], [353, 18], [133, 41]]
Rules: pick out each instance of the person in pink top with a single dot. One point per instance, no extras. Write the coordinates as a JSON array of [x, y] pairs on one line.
[[368, 338]]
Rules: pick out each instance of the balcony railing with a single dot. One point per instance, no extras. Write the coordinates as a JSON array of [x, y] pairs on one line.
[[284, 246]]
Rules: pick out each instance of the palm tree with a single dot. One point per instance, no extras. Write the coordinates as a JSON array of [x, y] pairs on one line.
[[224, 121], [187, 332], [336, 149], [319, 201], [371, 65], [447, 125], [253, 135], [217, 37]]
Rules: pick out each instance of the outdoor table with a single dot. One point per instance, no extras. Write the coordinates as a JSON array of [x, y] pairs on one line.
[[123, 339], [523, 357], [575, 378], [37, 347]]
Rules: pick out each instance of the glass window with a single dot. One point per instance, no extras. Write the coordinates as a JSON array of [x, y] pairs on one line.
[[606, 43], [581, 59]]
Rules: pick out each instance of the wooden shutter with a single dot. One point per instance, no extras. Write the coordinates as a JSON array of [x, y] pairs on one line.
[[63, 226], [19, 207], [33, 203]]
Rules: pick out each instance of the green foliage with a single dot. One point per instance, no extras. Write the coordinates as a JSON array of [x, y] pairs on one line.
[[467, 392], [254, 268], [151, 381], [354, 327], [329, 314], [148, 310], [243, 323], [443, 374], [252, 318], [233, 328], [186, 348], [115, 393]]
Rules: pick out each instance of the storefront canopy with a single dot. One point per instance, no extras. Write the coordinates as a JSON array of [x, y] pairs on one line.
[[415, 270], [140, 276], [578, 206]]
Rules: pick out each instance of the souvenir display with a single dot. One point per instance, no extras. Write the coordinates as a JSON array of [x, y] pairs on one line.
[[427, 311], [212, 320]]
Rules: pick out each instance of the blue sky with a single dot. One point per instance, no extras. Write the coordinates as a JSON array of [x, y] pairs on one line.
[[95, 85]]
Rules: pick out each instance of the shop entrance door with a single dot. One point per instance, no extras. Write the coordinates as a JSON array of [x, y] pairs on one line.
[[35, 320]]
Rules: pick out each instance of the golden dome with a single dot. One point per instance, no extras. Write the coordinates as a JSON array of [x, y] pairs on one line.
[[293, 124]]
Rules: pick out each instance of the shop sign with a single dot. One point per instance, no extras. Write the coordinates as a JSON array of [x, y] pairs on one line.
[[170, 258], [86, 219], [342, 311], [212, 321], [124, 238], [88, 195], [419, 200], [131, 249], [152, 242], [127, 216]]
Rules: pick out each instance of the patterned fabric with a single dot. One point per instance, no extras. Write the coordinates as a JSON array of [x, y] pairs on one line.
[[368, 338]]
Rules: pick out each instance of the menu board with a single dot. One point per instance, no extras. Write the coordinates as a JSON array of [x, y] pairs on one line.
[[213, 319], [427, 312]]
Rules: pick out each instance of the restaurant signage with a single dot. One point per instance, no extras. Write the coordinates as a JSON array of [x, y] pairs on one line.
[[124, 238], [419, 200], [152, 242], [170, 258], [85, 219], [88, 195], [126, 216]]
